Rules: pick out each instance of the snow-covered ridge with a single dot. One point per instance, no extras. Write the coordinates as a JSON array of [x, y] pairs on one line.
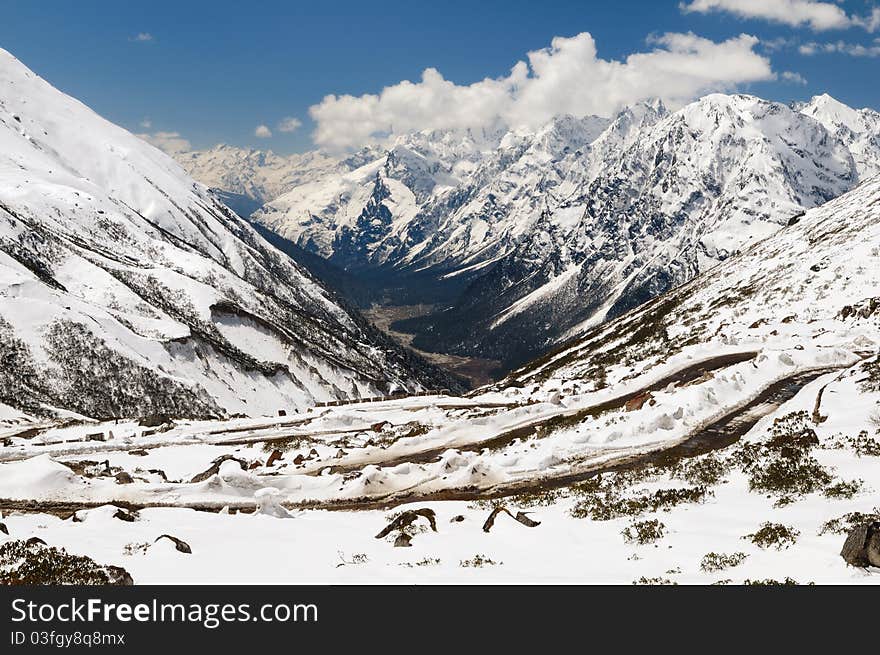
[[127, 289], [582, 219]]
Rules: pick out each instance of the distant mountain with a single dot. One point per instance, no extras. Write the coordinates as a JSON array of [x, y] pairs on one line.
[[541, 233], [811, 288], [859, 129], [127, 289]]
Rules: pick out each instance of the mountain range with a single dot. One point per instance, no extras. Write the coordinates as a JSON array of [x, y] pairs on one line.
[[523, 238]]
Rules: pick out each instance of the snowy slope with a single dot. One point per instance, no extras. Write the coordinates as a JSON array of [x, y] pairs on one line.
[[800, 309], [859, 129], [127, 289], [682, 195], [581, 219]]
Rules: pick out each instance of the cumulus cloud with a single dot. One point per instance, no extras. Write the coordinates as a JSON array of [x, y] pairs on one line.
[[262, 132], [842, 47], [815, 14], [566, 78], [793, 78], [170, 142], [289, 124], [146, 123], [142, 37], [871, 22]]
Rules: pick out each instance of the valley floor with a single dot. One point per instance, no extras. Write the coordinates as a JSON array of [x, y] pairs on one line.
[[478, 371]]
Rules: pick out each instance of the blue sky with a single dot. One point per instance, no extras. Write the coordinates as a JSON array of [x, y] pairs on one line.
[[214, 71]]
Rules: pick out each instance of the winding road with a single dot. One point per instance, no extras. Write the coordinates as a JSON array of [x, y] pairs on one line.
[[721, 433]]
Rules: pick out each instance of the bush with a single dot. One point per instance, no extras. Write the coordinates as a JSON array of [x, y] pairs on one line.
[[770, 582], [713, 562], [36, 564], [843, 489], [478, 561], [844, 524], [703, 471], [773, 534], [644, 532], [608, 504]]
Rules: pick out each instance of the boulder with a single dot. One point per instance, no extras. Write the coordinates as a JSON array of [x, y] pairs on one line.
[[862, 545]]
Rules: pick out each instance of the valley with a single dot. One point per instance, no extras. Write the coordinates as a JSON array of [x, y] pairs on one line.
[[477, 371], [634, 349]]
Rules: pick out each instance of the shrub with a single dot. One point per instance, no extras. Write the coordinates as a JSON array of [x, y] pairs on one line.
[[36, 564], [843, 489], [478, 561], [713, 562], [654, 581], [644, 532], [773, 534], [770, 582], [844, 524]]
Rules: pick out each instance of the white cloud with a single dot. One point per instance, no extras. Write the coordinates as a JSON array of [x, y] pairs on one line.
[[262, 132], [146, 123], [871, 22], [170, 142], [141, 37], [815, 14], [792, 77], [842, 47], [289, 124], [566, 78]]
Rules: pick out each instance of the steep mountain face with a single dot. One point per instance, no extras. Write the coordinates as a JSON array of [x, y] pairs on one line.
[[692, 189], [537, 235], [813, 288], [859, 129], [127, 289], [448, 199]]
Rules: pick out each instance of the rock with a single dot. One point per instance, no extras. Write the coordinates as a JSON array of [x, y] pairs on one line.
[[215, 468], [118, 576], [155, 420], [282, 412], [123, 478], [637, 402], [274, 457], [862, 545], [407, 518], [457, 519], [179, 544], [124, 515], [403, 540], [872, 548], [139, 452], [35, 541], [95, 436], [158, 472], [4, 529], [378, 427], [299, 459], [340, 454]]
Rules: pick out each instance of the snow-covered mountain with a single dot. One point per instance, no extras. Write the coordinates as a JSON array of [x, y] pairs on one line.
[[689, 191], [812, 287], [254, 177], [581, 220], [859, 129], [724, 432], [127, 289]]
